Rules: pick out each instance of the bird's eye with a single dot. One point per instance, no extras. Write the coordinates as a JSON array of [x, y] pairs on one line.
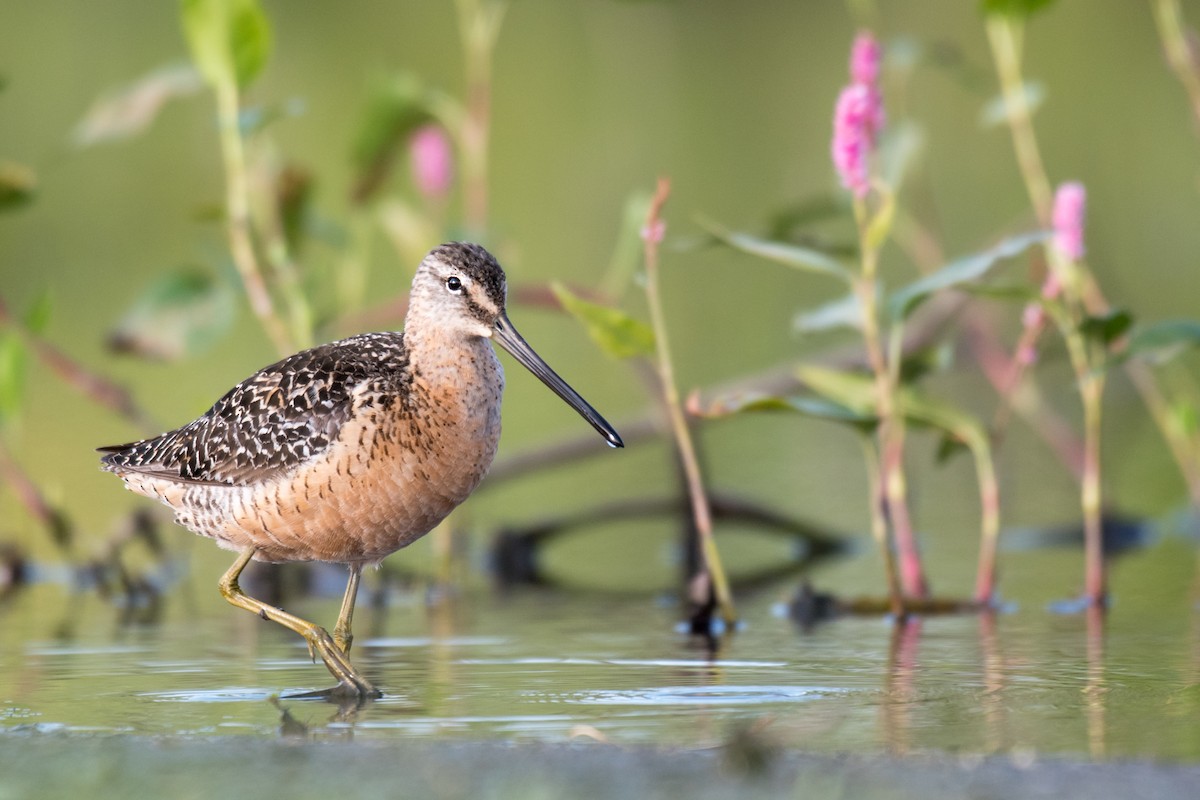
[[454, 284]]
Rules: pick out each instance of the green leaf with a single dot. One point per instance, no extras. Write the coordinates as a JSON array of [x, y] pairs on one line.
[[1011, 292], [230, 40], [250, 38], [293, 196], [396, 108], [627, 252], [17, 186], [1163, 341], [787, 222], [1107, 328], [617, 333], [1014, 8], [845, 312], [13, 359], [790, 255], [1184, 418], [857, 392], [966, 270], [996, 112], [181, 314], [129, 110], [816, 407], [37, 316], [948, 447], [918, 364], [879, 226]]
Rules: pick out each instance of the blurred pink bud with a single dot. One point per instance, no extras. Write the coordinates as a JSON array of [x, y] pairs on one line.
[[1070, 203], [1033, 316], [1052, 286], [655, 232], [865, 57], [854, 137], [1027, 355], [432, 161]]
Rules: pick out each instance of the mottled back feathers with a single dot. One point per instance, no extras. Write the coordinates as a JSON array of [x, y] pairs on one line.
[[279, 417]]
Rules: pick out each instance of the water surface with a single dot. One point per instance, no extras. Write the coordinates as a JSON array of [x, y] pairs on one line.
[[550, 666]]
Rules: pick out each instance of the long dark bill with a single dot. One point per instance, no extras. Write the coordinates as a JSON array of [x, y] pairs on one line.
[[512, 341]]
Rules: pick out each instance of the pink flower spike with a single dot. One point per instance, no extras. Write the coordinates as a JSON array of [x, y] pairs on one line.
[[1070, 204], [865, 58], [432, 161], [854, 137]]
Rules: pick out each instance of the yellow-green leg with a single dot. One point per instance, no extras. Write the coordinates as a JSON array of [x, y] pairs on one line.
[[350, 683], [342, 635]]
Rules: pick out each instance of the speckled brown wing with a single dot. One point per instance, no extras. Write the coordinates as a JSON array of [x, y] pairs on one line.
[[280, 417]]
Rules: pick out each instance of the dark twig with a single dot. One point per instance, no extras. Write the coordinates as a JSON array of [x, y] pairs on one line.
[[91, 385]]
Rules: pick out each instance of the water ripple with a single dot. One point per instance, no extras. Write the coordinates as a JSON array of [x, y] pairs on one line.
[[697, 695]]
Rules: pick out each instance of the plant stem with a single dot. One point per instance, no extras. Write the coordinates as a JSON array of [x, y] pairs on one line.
[[891, 419], [1179, 50], [237, 214], [1004, 34], [90, 384], [278, 254], [479, 27], [989, 533], [879, 529], [1090, 380], [701, 509], [1095, 582]]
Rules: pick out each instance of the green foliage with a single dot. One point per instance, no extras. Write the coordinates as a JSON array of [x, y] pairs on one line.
[[17, 186], [845, 312], [294, 196], [230, 40], [1107, 328], [37, 316], [928, 360], [857, 392], [181, 314], [815, 407], [1185, 417], [617, 333], [1015, 8], [879, 223], [1163, 341], [627, 252], [395, 109], [790, 255], [959, 273], [787, 221], [14, 357]]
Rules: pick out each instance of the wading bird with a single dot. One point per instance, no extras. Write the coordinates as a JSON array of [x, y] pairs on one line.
[[351, 450]]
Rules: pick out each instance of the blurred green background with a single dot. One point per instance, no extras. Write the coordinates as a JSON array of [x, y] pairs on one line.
[[595, 99]]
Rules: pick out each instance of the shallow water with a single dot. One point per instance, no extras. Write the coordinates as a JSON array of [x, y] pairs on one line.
[[547, 666]]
